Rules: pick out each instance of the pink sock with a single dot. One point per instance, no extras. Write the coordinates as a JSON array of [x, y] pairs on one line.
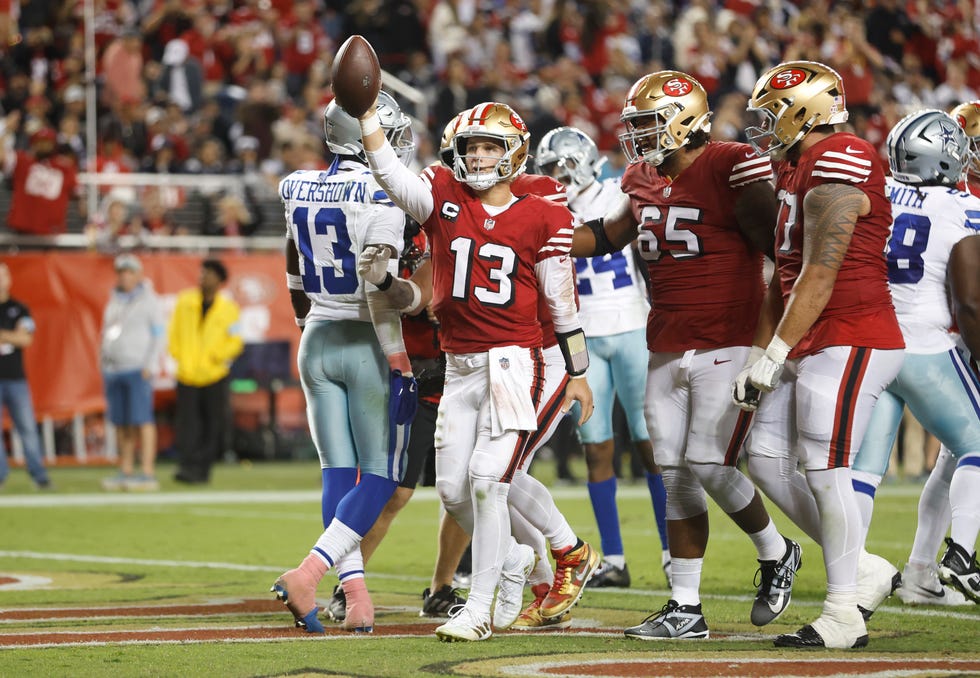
[[314, 566]]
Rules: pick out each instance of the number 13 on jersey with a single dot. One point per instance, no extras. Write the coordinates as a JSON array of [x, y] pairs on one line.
[[327, 232]]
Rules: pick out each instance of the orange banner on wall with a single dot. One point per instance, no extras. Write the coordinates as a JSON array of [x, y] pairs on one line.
[[67, 292]]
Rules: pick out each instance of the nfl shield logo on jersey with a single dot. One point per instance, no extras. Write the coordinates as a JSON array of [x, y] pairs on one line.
[[489, 224], [667, 192], [504, 363]]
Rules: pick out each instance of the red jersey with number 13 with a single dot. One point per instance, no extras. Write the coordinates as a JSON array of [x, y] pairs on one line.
[[706, 282], [859, 311], [485, 290]]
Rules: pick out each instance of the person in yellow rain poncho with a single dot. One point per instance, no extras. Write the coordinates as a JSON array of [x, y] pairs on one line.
[[204, 339]]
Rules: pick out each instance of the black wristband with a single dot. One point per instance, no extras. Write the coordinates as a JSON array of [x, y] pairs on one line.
[[386, 283], [574, 350], [602, 244]]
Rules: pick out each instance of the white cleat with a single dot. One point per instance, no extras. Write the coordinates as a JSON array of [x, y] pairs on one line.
[[517, 567], [921, 586], [465, 626], [876, 580]]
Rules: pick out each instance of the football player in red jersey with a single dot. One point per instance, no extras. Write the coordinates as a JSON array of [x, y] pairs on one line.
[[494, 254], [704, 211], [828, 324], [968, 116]]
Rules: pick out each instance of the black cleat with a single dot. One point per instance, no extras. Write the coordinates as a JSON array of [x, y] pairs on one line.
[[672, 621], [808, 637], [442, 603], [610, 576], [959, 569], [775, 581]]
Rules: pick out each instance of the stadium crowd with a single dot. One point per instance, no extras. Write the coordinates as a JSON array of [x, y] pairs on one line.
[[239, 86]]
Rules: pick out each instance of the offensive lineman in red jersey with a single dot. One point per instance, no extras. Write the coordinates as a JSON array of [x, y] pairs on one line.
[[968, 116], [494, 254], [704, 210], [828, 310]]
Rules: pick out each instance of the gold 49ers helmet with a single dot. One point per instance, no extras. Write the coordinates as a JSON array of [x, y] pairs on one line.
[[661, 112], [968, 116], [793, 98], [446, 145], [501, 123]]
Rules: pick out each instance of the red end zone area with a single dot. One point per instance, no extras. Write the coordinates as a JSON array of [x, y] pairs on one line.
[[195, 623]]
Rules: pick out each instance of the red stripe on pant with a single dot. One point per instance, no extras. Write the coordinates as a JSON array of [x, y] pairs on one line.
[[738, 437], [546, 417], [847, 396], [537, 389]]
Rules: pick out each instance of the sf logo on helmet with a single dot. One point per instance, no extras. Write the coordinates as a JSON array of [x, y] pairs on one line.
[[677, 87], [789, 78]]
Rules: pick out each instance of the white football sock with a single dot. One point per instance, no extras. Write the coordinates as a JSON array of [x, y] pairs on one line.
[[865, 501], [769, 543], [351, 566], [336, 541], [686, 580], [964, 500], [535, 503], [525, 533], [781, 481], [934, 511], [840, 523], [491, 541]]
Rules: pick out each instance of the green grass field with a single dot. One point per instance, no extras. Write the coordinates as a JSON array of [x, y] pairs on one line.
[[228, 542]]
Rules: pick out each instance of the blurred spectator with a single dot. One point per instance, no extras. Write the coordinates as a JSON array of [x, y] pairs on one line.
[[447, 34], [122, 67], [208, 158], [887, 27], [954, 90], [204, 340], [16, 334], [914, 89], [113, 220], [302, 41], [162, 159], [181, 80], [44, 180], [132, 338], [856, 60], [231, 218]]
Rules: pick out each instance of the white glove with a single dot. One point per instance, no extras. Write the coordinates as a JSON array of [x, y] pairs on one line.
[[765, 373], [372, 265], [744, 394]]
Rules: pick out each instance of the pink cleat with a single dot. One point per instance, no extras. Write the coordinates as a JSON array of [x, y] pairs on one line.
[[297, 589], [360, 609]]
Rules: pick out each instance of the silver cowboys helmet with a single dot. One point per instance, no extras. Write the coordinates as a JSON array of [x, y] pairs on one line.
[[928, 148], [570, 156], [343, 132]]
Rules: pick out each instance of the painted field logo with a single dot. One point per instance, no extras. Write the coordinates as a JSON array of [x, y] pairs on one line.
[[791, 77], [678, 87]]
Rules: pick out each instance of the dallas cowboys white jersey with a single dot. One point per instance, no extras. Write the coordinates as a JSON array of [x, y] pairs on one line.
[[612, 299], [330, 216], [927, 222]]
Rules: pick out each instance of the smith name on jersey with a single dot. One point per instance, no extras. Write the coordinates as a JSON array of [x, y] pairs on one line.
[[927, 222]]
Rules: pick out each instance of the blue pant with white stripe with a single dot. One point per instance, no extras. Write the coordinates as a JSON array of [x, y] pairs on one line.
[[345, 380], [944, 395]]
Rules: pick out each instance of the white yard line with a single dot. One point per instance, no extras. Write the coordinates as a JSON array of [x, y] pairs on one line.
[[422, 494]]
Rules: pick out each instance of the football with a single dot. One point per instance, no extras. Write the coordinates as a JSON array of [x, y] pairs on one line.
[[356, 76]]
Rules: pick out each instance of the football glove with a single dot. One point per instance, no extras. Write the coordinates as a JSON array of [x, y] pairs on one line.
[[372, 265], [403, 400], [744, 394], [767, 370]]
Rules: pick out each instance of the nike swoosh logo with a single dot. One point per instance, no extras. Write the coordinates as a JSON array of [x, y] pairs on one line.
[[852, 150], [938, 594], [721, 362], [751, 154]]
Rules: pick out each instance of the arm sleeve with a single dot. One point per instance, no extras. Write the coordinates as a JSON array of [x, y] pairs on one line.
[[387, 323], [557, 283], [405, 188], [156, 334]]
